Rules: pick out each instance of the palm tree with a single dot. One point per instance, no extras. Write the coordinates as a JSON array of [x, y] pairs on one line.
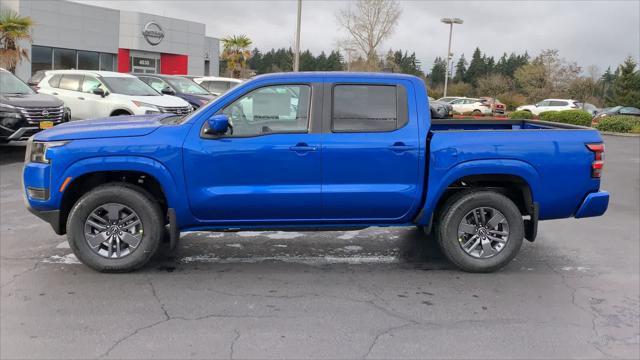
[[236, 52], [13, 29]]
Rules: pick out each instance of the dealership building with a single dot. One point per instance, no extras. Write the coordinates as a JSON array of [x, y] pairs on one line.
[[69, 35]]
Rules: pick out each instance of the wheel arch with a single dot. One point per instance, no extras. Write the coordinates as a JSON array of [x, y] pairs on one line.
[[144, 173], [121, 111], [516, 179]]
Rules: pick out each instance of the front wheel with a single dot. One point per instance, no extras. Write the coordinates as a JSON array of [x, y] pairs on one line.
[[480, 231], [115, 228]]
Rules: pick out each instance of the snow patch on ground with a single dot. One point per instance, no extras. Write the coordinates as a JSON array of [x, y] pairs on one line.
[[250, 233], [63, 245], [319, 260], [57, 259], [283, 235], [238, 246], [351, 248], [348, 235]]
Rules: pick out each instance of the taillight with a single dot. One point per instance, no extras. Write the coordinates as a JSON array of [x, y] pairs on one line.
[[598, 161]]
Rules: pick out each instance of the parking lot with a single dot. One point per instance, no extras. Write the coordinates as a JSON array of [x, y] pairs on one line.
[[375, 293]]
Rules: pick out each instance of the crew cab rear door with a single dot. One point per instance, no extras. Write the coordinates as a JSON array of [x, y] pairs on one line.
[[370, 151]]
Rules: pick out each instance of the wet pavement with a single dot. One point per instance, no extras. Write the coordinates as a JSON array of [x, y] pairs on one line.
[[373, 293]]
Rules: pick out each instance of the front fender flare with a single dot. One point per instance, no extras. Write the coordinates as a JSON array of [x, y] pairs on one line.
[[171, 188], [440, 179]]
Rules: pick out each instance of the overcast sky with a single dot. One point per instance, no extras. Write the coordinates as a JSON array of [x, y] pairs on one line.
[[598, 33]]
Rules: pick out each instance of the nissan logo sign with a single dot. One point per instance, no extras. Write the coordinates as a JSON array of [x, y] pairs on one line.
[[153, 33], [45, 113]]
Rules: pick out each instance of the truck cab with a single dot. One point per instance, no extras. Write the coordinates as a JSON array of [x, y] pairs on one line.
[[311, 151]]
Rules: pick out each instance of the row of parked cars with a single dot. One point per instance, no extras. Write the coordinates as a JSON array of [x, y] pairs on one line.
[[446, 106], [56, 96]]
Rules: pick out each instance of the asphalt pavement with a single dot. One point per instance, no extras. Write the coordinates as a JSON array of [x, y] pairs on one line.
[[374, 293]]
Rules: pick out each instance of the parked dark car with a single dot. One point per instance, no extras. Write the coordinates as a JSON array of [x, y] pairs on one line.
[[440, 109], [23, 112], [618, 110], [179, 86]]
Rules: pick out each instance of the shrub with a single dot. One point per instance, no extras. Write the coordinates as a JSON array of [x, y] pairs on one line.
[[574, 117], [620, 123], [521, 115]]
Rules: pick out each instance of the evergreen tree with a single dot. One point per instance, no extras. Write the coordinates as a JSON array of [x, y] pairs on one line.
[[476, 68], [625, 90], [438, 71], [334, 61], [461, 69]]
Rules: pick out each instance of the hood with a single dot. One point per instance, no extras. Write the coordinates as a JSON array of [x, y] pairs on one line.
[[117, 126], [30, 100], [161, 100]]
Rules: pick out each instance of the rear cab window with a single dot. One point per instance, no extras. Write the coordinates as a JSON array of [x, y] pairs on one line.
[[368, 108]]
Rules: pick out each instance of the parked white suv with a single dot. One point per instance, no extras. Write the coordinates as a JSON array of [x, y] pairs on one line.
[[550, 105], [97, 94], [216, 85], [470, 105]]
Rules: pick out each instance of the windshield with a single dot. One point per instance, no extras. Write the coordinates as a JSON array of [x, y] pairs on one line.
[[614, 109], [10, 84], [187, 86], [129, 86]]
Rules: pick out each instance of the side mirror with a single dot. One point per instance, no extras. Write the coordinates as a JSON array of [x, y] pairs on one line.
[[218, 124], [168, 91], [99, 91]]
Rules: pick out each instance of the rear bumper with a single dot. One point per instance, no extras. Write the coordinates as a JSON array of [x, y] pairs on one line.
[[595, 204]]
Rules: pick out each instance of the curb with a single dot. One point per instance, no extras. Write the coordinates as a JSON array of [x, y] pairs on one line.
[[619, 134]]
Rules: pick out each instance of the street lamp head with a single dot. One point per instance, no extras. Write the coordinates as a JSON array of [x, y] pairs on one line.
[[452, 20]]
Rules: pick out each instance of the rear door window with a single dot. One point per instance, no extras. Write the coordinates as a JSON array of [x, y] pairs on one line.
[[55, 81], [365, 108], [558, 103], [70, 82]]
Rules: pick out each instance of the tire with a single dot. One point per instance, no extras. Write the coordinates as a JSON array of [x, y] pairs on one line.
[[476, 112], [454, 213], [133, 200]]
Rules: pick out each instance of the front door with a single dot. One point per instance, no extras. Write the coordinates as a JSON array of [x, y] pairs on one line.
[[370, 163], [267, 170]]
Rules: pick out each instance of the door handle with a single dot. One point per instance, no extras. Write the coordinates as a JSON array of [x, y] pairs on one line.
[[54, 93], [80, 98], [400, 147], [302, 148]]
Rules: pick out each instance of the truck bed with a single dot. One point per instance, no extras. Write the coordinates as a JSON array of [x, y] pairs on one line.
[[506, 124]]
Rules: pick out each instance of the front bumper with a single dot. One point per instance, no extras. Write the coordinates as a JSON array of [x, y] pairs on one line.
[[595, 204], [50, 216]]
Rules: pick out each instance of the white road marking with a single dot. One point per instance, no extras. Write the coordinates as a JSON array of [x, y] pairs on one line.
[[250, 233], [351, 248], [238, 246], [280, 245]]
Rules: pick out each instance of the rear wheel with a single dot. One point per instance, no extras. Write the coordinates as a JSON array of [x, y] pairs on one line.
[[115, 228], [477, 112], [480, 231]]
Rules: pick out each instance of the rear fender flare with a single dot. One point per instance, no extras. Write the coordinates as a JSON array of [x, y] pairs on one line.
[[438, 184]]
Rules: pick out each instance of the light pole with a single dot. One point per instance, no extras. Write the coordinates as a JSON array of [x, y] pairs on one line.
[[296, 56], [449, 21]]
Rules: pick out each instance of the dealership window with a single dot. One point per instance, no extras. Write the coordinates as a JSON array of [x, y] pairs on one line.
[[107, 62], [88, 60], [41, 58], [48, 58]]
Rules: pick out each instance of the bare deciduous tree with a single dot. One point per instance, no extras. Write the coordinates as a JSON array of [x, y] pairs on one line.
[[368, 25]]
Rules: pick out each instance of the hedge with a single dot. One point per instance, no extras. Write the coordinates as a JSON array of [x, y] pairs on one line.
[[575, 117], [620, 123], [522, 114]]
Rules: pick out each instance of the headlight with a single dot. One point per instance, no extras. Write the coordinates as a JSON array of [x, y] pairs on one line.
[[37, 151], [8, 111], [152, 108]]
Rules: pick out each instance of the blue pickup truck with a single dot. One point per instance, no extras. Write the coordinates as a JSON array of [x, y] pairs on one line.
[[311, 151]]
